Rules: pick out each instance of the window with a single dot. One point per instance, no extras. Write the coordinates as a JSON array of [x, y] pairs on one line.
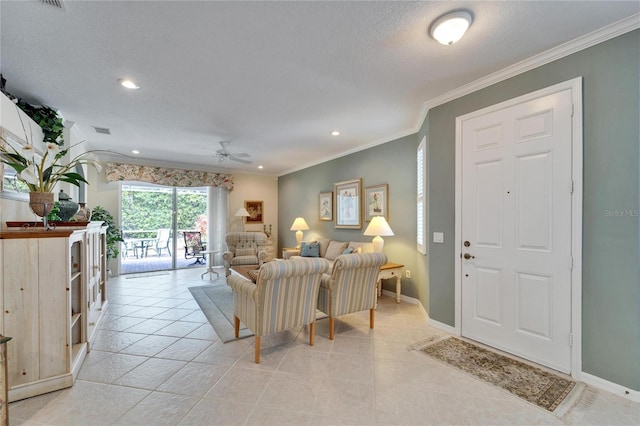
[[421, 197]]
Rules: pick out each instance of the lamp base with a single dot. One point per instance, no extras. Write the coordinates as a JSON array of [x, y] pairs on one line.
[[299, 239], [378, 244]]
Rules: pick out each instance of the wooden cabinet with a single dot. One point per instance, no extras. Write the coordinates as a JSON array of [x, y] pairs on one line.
[[96, 280], [46, 279]]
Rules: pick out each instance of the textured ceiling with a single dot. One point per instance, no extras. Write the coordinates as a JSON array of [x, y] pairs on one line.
[[272, 77]]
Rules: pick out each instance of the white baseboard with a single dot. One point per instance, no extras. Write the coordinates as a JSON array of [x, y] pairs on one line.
[[443, 327], [608, 386], [403, 298]]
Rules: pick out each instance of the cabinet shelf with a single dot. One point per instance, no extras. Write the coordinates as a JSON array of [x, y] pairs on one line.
[[75, 318]]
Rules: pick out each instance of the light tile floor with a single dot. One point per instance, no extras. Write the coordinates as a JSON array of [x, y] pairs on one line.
[[157, 361]]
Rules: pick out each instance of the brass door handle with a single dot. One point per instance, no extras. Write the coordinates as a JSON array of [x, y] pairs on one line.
[[468, 256]]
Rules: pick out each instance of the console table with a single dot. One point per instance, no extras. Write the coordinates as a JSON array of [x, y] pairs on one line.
[[387, 271]]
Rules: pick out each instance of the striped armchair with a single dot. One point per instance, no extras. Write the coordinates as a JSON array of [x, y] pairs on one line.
[[284, 296], [244, 248], [351, 287]]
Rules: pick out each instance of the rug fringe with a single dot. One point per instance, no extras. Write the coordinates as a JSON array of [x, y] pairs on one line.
[[418, 346]]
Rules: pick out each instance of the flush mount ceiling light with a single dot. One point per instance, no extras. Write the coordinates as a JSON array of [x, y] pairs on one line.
[[129, 84], [135, 151], [335, 133], [450, 28]]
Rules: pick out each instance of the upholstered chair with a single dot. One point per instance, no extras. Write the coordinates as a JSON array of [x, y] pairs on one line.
[[351, 287], [244, 248], [284, 296]]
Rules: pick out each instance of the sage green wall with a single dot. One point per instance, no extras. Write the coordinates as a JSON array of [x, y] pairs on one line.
[[611, 285], [393, 163]]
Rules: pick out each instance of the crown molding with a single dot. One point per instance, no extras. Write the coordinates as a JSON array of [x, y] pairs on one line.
[[603, 34], [616, 29]]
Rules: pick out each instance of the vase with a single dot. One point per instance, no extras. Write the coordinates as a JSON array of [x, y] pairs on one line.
[[67, 206], [40, 203]]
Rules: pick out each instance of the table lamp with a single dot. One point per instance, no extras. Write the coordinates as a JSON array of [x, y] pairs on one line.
[[299, 225], [242, 212], [377, 227]]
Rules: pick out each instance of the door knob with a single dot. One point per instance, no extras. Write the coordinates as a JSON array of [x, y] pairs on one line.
[[468, 256]]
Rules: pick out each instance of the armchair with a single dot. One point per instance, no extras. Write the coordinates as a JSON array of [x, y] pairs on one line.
[[193, 246], [351, 287], [244, 248], [284, 296]]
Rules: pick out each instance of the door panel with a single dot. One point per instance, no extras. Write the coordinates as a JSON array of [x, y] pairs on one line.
[[516, 214]]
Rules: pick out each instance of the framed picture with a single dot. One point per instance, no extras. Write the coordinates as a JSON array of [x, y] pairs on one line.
[[348, 195], [255, 209], [376, 201], [325, 206]]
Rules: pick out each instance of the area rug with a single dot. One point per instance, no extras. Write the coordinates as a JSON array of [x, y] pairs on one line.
[[532, 384], [216, 302]]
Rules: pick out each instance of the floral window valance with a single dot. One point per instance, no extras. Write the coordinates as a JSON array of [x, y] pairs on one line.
[[166, 176]]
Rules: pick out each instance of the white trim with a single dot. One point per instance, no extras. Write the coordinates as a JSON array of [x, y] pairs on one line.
[[575, 85], [613, 30], [443, 327], [403, 298], [598, 36], [608, 386]]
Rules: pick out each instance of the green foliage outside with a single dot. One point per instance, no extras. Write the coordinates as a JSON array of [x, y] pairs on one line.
[[150, 210]]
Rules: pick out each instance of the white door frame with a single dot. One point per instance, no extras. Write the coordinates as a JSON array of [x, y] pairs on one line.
[[575, 85]]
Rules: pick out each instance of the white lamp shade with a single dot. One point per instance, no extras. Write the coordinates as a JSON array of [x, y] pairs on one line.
[[451, 27], [378, 226], [242, 212], [299, 225]]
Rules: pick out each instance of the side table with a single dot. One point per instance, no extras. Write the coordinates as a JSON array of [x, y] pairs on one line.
[[210, 265], [387, 271]]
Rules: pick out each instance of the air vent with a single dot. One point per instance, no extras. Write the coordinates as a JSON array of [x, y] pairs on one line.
[[102, 130], [54, 3]]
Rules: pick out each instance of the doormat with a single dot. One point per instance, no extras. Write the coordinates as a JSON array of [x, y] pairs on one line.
[[539, 387], [146, 274]]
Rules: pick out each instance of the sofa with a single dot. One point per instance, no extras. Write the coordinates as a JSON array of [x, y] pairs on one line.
[[244, 248], [328, 249]]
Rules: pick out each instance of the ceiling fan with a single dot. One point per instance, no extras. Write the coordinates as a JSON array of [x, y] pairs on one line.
[[223, 154]]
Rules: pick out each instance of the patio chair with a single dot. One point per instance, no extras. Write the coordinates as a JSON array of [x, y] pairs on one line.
[[163, 239], [193, 246]]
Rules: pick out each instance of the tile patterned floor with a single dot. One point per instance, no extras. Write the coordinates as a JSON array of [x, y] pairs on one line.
[[157, 361]]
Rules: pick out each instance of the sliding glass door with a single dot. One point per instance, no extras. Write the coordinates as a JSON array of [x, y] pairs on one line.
[[153, 221]]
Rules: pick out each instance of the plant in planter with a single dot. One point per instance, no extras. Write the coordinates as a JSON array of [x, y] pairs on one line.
[[47, 118], [114, 234]]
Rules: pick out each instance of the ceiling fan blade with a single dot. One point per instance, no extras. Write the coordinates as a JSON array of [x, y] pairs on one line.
[[239, 160], [244, 154]]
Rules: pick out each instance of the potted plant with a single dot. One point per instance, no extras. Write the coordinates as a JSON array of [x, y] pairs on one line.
[[114, 234], [42, 169]]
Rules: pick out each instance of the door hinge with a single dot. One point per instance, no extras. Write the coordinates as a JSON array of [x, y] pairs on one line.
[[570, 340], [571, 263], [571, 187], [572, 109]]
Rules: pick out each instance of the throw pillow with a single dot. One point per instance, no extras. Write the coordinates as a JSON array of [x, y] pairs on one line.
[[358, 250], [310, 249], [348, 250], [335, 249], [253, 275], [245, 252]]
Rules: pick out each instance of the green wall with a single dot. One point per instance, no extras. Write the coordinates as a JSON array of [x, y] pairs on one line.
[[611, 282], [393, 163], [611, 285]]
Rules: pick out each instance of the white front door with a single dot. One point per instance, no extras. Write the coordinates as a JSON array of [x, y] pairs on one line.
[[516, 228]]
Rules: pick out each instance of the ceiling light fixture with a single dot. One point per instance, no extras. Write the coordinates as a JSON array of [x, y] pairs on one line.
[[335, 133], [135, 151], [261, 167], [129, 84], [450, 28]]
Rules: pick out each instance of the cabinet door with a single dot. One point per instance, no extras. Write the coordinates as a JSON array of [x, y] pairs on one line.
[[94, 287], [20, 308], [53, 303]]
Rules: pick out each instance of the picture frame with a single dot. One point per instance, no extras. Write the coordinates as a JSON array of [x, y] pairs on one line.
[[348, 204], [325, 206], [256, 211], [376, 201]]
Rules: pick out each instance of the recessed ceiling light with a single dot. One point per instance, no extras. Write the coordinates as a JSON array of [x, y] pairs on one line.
[[335, 133], [260, 167], [451, 27], [129, 84], [135, 151]]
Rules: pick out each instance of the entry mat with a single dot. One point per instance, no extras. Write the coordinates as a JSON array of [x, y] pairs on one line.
[[539, 387]]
